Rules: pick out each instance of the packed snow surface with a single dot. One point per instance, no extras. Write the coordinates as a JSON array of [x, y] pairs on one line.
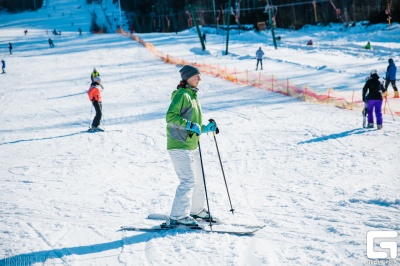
[[309, 172]]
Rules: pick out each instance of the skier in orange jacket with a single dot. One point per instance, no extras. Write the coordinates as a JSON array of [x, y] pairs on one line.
[[94, 94]]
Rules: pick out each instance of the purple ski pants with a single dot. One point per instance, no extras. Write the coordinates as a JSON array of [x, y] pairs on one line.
[[377, 105]]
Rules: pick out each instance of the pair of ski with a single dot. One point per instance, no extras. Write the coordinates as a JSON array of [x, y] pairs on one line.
[[239, 230]]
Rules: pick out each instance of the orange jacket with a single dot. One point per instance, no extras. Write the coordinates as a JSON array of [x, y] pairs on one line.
[[94, 94]]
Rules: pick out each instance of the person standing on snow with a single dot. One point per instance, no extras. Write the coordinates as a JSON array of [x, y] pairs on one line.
[[3, 66], [51, 43], [391, 78], [259, 56], [374, 87], [94, 74], [10, 47], [184, 127], [94, 94]]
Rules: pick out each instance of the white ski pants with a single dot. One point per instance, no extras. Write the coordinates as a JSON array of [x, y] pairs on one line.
[[190, 194]]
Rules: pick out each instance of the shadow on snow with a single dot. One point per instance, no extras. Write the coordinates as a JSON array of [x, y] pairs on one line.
[[42, 256], [336, 135]]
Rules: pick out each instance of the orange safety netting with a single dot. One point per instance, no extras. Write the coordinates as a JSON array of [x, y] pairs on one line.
[[345, 100]]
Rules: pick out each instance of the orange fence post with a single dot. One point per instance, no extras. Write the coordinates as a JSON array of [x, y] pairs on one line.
[[287, 87], [272, 80], [235, 74], [352, 100], [329, 93]]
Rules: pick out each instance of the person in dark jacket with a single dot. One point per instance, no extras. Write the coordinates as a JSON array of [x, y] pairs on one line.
[[10, 47], [51, 43], [3, 66], [372, 93], [391, 78]]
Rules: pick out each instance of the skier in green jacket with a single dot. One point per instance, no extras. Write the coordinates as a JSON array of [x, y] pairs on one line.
[[184, 127]]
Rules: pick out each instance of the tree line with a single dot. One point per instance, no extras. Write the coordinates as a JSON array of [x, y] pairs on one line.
[[173, 15], [20, 5]]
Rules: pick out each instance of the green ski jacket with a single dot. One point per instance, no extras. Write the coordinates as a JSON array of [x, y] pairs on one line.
[[184, 107]]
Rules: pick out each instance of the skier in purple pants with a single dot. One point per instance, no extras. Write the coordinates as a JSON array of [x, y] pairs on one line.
[[374, 88]]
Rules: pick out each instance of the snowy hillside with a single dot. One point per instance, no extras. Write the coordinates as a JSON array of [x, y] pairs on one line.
[[309, 172], [65, 15]]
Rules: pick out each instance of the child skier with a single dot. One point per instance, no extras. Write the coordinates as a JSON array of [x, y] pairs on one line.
[[94, 94], [94, 74]]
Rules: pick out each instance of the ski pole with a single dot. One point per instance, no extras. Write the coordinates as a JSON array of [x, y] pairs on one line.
[[389, 109], [102, 117], [205, 186], [222, 168], [90, 118]]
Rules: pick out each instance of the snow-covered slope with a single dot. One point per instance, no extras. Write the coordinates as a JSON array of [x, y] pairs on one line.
[[309, 172], [65, 15]]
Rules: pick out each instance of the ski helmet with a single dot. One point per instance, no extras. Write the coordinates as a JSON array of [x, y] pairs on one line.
[[390, 60], [97, 79]]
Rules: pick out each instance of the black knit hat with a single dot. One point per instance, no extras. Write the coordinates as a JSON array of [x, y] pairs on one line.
[[188, 71]]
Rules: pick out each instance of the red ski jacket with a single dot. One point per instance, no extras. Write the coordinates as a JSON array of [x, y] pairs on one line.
[[94, 94]]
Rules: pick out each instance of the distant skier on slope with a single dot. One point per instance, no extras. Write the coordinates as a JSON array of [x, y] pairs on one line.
[[94, 74], [259, 56], [391, 78], [374, 87], [184, 127], [94, 94], [3, 66], [51, 43]]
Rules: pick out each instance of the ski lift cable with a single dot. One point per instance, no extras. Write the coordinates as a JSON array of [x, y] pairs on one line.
[[247, 9]]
